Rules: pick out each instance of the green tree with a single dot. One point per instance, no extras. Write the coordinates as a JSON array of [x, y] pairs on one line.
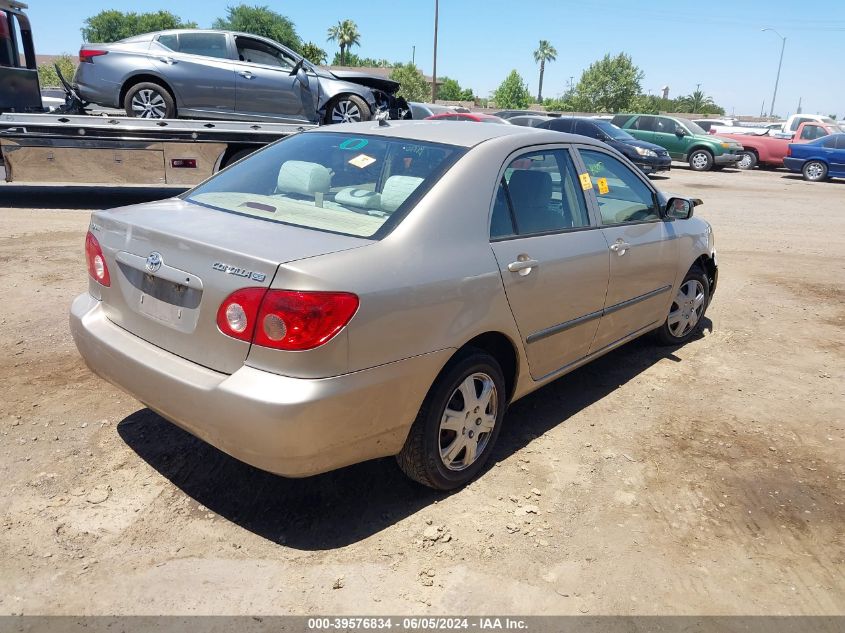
[[346, 34], [111, 26], [512, 93], [47, 76], [351, 59], [610, 84], [413, 85], [313, 53], [544, 53], [697, 103], [450, 90], [261, 21]]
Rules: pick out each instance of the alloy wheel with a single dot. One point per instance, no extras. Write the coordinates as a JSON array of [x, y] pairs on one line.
[[814, 171], [345, 111], [468, 421], [149, 104], [687, 308]]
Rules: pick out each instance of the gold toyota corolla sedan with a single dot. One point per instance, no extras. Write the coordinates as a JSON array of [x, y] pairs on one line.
[[386, 289]]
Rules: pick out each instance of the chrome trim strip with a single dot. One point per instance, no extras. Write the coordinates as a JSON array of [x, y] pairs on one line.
[[557, 329]]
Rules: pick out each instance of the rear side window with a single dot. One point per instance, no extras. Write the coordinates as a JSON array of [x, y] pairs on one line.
[[644, 124], [539, 193], [840, 141], [621, 195], [6, 56], [205, 44], [361, 186], [170, 41], [830, 142]]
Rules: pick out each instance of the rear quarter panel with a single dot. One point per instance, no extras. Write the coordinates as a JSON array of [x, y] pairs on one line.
[[101, 81]]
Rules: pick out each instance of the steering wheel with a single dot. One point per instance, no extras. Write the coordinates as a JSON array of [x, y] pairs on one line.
[[296, 67]]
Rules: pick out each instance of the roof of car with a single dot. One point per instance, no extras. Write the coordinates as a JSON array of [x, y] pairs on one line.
[[461, 133]]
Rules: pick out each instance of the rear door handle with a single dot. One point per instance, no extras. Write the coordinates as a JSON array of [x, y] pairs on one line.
[[620, 247], [523, 265], [246, 74]]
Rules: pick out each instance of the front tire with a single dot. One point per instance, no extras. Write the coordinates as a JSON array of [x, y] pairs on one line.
[[687, 310], [701, 160], [748, 160], [348, 109], [814, 171], [149, 100], [457, 425]]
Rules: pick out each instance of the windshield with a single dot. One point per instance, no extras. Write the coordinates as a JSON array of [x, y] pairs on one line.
[[612, 131], [354, 185], [692, 127]]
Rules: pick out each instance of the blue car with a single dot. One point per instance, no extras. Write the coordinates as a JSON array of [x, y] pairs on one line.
[[818, 160]]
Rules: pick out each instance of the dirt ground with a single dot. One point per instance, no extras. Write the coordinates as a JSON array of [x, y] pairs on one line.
[[708, 479]]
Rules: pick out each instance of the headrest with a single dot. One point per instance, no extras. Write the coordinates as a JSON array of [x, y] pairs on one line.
[[298, 176], [396, 190], [358, 198], [529, 187]]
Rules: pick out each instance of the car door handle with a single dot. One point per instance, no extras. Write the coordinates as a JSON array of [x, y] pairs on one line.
[[620, 247], [523, 265], [246, 74], [167, 60]]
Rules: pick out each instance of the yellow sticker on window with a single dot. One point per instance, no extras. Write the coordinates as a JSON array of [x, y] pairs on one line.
[[586, 183], [361, 161], [602, 185]]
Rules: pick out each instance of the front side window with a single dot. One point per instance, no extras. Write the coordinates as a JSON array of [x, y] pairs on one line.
[[205, 44], [621, 195], [257, 52], [361, 186], [538, 193]]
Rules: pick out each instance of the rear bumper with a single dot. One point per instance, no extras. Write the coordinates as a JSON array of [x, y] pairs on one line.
[[793, 164], [290, 426], [727, 159]]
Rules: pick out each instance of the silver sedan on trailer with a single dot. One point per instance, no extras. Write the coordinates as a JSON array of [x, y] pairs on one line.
[[386, 289]]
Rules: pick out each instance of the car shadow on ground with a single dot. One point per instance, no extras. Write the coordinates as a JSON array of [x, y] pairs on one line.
[[80, 197], [348, 505], [799, 177]]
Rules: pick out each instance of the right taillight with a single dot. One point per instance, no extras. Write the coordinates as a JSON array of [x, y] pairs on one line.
[[97, 267], [285, 319], [789, 150], [87, 55]]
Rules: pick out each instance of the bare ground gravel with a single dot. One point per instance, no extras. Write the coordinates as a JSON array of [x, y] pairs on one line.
[[708, 479]]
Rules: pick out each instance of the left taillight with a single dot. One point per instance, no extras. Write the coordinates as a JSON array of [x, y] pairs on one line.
[[97, 267]]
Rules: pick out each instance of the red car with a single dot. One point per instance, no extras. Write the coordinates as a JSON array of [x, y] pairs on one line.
[[476, 117]]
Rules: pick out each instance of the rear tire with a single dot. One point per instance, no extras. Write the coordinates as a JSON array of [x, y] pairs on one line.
[[687, 310], [748, 160], [814, 171], [347, 109], [149, 100], [458, 423], [701, 160]]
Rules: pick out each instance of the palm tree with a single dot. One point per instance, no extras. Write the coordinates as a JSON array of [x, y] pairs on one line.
[[346, 34], [544, 53], [698, 102]]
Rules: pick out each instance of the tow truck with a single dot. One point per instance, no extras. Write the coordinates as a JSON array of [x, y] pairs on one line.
[[71, 145]]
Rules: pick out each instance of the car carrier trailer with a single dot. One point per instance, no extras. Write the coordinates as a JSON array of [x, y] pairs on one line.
[[49, 148]]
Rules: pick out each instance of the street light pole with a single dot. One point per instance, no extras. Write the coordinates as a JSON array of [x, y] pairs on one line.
[[780, 63], [434, 68]]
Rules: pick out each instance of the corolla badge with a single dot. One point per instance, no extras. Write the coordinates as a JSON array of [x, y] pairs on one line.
[[154, 262], [240, 272]]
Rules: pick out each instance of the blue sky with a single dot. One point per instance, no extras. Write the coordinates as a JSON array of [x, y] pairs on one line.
[[718, 44]]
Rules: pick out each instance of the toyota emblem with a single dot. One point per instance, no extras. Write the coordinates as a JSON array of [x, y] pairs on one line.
[[154, 261]]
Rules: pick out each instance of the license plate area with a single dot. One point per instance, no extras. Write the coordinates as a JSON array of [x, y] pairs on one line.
[[167, 302]]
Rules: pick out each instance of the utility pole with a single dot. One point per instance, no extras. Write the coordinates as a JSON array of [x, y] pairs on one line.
[[763, 108], [798, 111], [434, 66], [780, 63], [413, 55]]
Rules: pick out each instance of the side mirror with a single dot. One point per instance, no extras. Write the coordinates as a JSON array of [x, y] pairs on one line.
[[679, 131], [681, 208]]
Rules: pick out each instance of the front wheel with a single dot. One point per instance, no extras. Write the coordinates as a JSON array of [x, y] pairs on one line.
[[748, 160], [701, 160], [814, 171], [687, 310], [148, 100], [348, 109], [457, 425]]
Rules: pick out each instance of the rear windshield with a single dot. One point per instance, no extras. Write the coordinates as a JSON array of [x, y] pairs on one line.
[[612, 131], [354, 185]]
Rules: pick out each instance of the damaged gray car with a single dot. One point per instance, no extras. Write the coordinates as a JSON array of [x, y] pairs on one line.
[[214, 74]]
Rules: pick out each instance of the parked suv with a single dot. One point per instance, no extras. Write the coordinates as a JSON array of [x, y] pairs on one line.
[[684, 140], [226, 75]]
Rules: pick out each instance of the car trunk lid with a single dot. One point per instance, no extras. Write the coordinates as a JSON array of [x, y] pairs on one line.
[[172, 264]]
